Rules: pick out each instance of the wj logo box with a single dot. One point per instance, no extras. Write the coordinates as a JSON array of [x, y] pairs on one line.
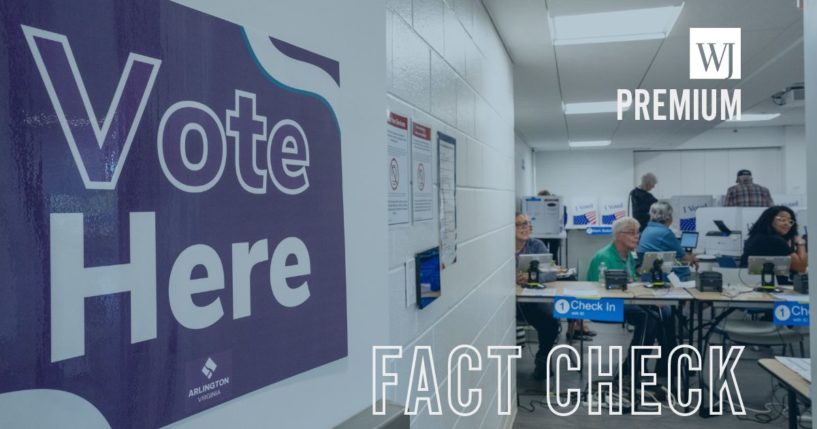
[[714, 53]]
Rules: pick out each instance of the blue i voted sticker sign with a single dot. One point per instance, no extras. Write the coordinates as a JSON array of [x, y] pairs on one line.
[[601, 310], [791, 314]]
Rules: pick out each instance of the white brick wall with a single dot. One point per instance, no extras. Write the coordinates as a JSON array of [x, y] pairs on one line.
[[447, 68]]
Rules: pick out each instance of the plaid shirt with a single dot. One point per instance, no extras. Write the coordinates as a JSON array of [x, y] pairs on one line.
[[748, 195]]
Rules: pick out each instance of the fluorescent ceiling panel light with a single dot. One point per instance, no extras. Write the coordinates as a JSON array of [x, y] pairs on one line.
[[752, 117], [619, 26], [591, 107], [589, 143]]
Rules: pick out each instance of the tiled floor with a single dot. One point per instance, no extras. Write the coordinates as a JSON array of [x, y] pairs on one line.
[[755, 387]]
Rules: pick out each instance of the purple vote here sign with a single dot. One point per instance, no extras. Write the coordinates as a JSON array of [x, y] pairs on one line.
[[172, 208]]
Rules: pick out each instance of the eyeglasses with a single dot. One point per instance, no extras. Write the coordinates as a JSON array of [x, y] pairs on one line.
[[523, 225], [784, 220], [635, 233]]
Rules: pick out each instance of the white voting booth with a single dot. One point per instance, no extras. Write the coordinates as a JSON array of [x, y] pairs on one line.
[[545, 214]]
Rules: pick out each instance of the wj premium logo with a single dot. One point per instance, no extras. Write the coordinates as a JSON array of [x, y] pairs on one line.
[[209, 368], [714, 53]]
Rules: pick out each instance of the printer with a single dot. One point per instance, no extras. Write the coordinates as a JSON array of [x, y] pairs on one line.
[[724, 241]]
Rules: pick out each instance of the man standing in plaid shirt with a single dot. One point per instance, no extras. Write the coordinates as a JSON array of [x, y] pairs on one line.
[[746, 193]]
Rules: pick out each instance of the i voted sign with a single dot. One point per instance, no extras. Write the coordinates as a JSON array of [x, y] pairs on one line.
[[791, 314], [601, 310]]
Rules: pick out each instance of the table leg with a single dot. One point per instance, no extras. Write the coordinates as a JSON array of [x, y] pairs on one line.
[[700, 327], [793, 411], [679, 314], [690, 322]]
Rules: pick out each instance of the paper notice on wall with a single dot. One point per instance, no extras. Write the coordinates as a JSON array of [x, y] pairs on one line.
[[582, 211], [423, 171], [447, 173], [397, 163], [612, 209]]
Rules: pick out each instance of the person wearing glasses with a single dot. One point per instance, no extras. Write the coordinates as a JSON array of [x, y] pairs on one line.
[[618, 255], [775, 234], [538, 315]]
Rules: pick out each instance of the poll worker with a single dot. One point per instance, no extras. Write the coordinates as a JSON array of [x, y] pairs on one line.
[[538, 315], [641, 199], [775, 234], [618, 255], [746, 193], [658, 237]]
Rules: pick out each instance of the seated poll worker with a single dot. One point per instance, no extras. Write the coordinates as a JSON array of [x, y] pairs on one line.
[[618, 255], [657, 237], [775, 234], [538, 315]]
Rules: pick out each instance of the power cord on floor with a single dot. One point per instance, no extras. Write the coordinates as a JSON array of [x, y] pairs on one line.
[[772, 410]]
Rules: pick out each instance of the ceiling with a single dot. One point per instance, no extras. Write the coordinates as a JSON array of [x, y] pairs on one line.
[[546, 76]]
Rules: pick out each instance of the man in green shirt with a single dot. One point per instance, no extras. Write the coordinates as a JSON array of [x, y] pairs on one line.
[[615, 257], [618, 255]]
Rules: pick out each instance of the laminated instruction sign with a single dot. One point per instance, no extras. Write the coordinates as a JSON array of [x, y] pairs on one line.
[[423, 181], [447, 173], [397, 168], [791, 313], [598, 309], [172, 193]]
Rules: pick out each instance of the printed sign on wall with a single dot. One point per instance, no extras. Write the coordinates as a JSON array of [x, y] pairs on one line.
[[397, 167], [172, 208], [447, 173], [423, 182]]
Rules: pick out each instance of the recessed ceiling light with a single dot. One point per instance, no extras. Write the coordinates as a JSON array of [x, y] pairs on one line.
[[589, 143], [591, 107], [618, 26], [751, 117]]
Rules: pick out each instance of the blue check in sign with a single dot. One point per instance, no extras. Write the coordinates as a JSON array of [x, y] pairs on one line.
[[598, 309], [787, 313]]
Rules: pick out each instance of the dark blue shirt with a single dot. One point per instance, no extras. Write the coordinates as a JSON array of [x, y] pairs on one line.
[[533, 246]]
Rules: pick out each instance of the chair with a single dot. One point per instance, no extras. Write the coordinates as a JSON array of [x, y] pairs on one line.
[[762, 333]]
